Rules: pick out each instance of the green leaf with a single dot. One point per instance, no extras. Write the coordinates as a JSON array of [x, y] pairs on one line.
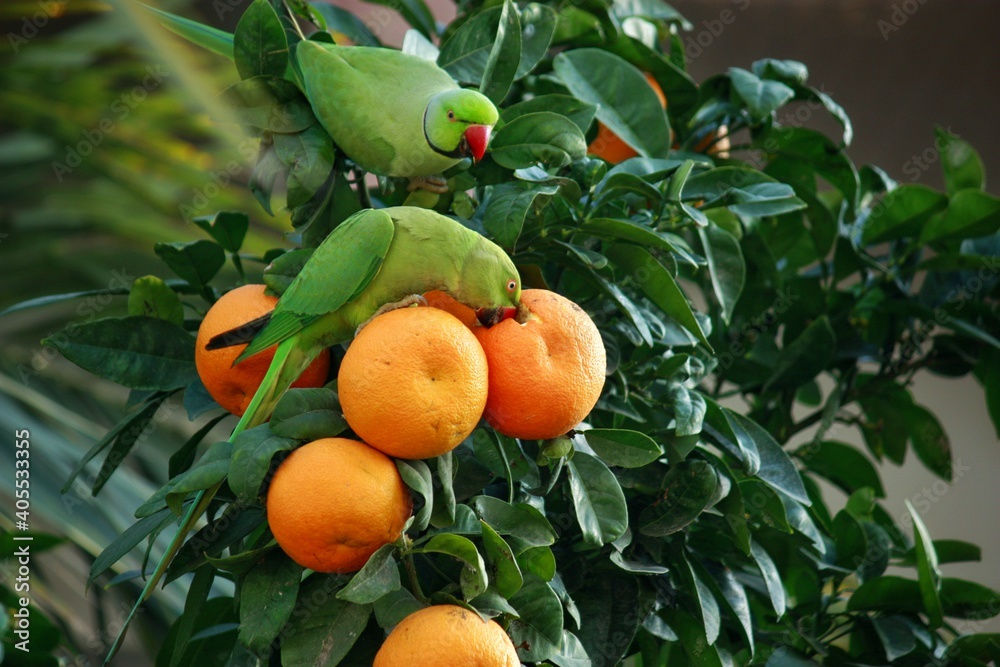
[[215, 40], [626, 103], [689, 409], [259, 46], [687, 489], [969, 214], [658, 285], [467, 52], [443, 514], [323, 628], [228, 228], [269, 103], [196, 262], [308, 414], [698, 650], [416, 14], [417, 476], [537, 631], [609, 616], [201, 585], [734, 441], [540, 137], [624, 448], [504, 571], [505, 56], [267, 598], [984, 647], [843, 465], [961, 164], [235, 523], [150, 297], [473, 578], [137, 352], [948, 551], [762, 97], [776, 468], [253, 450], [393, 607], [967, 599], [958, 598], [930, 442], [378, 578], [538, 25], [509, 205], [309, 157], [928, 574], [735, 597], [896, 636], [786, 71], [772, 578], [125, 542], [209, 471], [342, 21], [708, 606], [810, 151], [904, 212], [280, 273], [806, 357], [726, 266], [520, 520], [581, 113], [598, 500]]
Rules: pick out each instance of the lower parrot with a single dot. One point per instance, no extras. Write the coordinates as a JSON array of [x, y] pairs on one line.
[[393, 113], [376, 260]]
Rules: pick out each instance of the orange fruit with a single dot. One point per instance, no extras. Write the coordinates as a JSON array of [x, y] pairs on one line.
[[444, 301], [608, 146], [334, 502], [710, 146], [546, 374], [413, 383], [447, 635], [233, 387]]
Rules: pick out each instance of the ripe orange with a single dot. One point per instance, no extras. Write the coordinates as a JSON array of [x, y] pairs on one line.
[[444, 636], [608, 146], [413, 383], [710, 146], [546, 374], [334, 502], [232, 387], [443, 301]]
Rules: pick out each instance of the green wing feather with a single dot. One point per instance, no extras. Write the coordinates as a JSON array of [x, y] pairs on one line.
[[340, 269]]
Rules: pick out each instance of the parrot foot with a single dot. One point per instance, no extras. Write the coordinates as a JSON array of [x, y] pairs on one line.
[[406, 302], [435, 184]]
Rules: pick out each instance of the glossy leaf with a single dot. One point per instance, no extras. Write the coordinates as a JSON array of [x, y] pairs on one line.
[[267, 598], [260, 47], [687, 489], [537, 631], [379, 577], [137, 352], [510, 204], [322, 634], [505, 57], [598, 500], [961, 164], [762, 97], [540, 137], [928, 574], [726, 267], [626, 103], [624, 448], [253, 450], [473, 578], [308, 414]]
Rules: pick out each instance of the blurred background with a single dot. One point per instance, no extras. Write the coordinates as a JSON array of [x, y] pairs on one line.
[[111, 139]]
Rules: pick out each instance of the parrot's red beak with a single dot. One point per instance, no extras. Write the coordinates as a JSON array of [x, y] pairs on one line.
[[490, 316], [477, 136]]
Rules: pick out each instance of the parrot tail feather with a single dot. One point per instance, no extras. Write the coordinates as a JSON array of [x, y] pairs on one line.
[[238, 335]]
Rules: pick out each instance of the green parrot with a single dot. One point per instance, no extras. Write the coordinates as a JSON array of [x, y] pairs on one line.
[[376, 260], [394, 114]]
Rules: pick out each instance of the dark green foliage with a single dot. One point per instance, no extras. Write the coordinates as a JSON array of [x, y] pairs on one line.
[[677, 528]]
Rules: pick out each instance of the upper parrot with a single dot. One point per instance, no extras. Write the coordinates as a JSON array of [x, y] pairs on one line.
[[394, 114], [374, 261]]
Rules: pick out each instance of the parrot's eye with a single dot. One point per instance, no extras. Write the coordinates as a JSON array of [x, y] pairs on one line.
[[451, 115], [511, 285]]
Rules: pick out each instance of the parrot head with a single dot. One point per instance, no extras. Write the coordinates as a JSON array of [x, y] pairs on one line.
[[490, 285], [457, 123]]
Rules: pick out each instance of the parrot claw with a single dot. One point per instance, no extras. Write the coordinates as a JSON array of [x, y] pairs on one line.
[[435, 184], [406, 302]]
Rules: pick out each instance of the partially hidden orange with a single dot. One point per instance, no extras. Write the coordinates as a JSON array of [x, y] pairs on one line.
[[447, 636], [231, 386], [413, 383], [609, 146], [546, 374], [334, 502]]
